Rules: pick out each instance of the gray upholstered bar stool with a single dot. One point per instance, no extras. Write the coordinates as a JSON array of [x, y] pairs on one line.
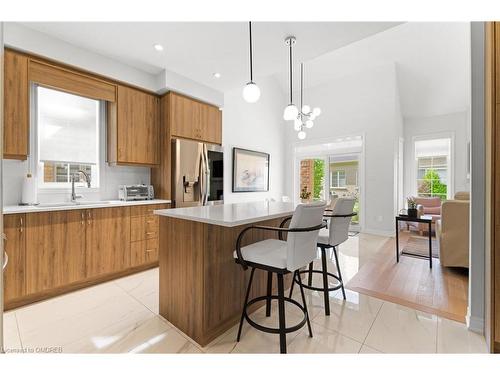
[[339, 217], [280, 257]]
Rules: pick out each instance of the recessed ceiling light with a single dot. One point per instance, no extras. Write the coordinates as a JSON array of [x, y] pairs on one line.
[[158, 47], [216, 75]]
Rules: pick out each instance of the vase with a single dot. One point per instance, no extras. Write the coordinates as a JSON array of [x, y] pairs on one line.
[[412, 212]]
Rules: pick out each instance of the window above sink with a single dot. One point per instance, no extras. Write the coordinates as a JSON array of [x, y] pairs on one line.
[[66, 128]]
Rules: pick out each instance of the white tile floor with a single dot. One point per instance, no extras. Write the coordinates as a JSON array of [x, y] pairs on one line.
[[122, 316]]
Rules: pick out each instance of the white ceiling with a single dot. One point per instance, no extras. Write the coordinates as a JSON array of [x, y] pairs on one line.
[[432, 62], [198, 49]]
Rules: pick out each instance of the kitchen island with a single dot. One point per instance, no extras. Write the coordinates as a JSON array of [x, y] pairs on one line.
[[202, 289]]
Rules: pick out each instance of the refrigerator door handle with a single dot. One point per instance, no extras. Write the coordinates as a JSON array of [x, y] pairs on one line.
[[201, 178], [207, 174]]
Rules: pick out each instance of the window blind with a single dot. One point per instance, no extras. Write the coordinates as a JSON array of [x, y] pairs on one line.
[[68, 127], [432, 147]]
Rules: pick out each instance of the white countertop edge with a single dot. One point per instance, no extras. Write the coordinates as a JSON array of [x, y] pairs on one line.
[[228, 224], [173, 213], [112, 203]]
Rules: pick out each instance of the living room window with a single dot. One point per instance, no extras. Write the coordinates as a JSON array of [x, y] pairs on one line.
[[67, 129], [433, 167]]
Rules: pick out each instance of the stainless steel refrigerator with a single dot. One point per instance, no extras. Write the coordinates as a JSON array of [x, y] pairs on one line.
[[197, 173]]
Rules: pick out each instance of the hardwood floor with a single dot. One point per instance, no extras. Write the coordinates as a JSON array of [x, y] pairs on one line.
[[441, 291]]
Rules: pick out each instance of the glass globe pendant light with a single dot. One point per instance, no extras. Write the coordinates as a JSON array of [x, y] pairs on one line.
[[291, 111], [251, 92], [306, 116]]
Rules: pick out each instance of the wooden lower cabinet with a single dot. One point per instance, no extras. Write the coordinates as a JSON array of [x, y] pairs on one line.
[[143, 252], [108, 240], [58, 251], [144, 228], [15, 248], [55, 249]]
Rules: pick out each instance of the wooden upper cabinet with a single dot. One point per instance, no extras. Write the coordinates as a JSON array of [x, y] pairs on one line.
[[183, 116], [497, 61], [15, 247], [133, 128], [16, 106], [193, 119], [213, 125], [107, 240]]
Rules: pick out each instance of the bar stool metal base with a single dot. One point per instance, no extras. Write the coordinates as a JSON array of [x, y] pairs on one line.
[[321, 289], [271, 329], [282, 330], [324, 271]]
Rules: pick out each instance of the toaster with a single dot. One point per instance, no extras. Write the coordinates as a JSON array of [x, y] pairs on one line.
[[135, 192]]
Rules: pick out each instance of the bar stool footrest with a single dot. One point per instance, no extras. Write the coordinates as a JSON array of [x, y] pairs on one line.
[[320, 289], [270, 329]]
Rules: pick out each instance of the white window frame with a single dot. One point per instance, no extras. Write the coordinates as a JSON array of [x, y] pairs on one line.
[[37, 167], [451, 161], [338, 179], [294, 165]]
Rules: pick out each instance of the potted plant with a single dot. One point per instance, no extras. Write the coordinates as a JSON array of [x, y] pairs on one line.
[[412, 207], [305, 195]]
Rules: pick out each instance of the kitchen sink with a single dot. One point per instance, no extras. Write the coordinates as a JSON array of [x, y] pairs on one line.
[[90, 203], [55, 204], [71, 204]]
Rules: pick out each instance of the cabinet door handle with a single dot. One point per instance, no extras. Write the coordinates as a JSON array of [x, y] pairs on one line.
[[88, 217], [149, 233], [5, 255], [150, 250], [21, 224], [82, 216]]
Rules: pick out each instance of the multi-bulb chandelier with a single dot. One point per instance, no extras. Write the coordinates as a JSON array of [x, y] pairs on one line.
[[303, 119]]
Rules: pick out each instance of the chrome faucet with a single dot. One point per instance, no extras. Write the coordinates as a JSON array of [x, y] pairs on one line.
[[75, 178]]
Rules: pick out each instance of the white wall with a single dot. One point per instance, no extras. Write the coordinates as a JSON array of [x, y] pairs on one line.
[[478, 312], [260, 127], [111, 178], [455, 124], [367, 103], [26, 39]]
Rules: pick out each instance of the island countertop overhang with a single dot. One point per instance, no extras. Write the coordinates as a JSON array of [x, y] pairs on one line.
[[231, 214]]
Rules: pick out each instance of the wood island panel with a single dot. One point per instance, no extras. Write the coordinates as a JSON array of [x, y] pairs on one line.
[[202, 289]]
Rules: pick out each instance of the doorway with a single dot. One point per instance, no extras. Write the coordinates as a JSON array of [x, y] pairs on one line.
[[325, 170], [343, 175]]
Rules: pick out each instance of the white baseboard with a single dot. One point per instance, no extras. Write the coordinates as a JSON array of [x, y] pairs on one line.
[[474, 323], [377, 232]]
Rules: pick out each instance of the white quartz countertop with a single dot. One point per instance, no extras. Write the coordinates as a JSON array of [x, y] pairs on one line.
[[233, 214], [79, 206]]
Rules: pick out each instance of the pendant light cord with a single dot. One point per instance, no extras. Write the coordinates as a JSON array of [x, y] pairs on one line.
[[301, 85], [251, 54], [291, 99]]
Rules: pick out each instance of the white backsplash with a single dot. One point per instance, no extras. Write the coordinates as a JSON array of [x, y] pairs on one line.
[[15, 170]]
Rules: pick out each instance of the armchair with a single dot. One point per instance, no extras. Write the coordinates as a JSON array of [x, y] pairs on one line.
[[452, 232]]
